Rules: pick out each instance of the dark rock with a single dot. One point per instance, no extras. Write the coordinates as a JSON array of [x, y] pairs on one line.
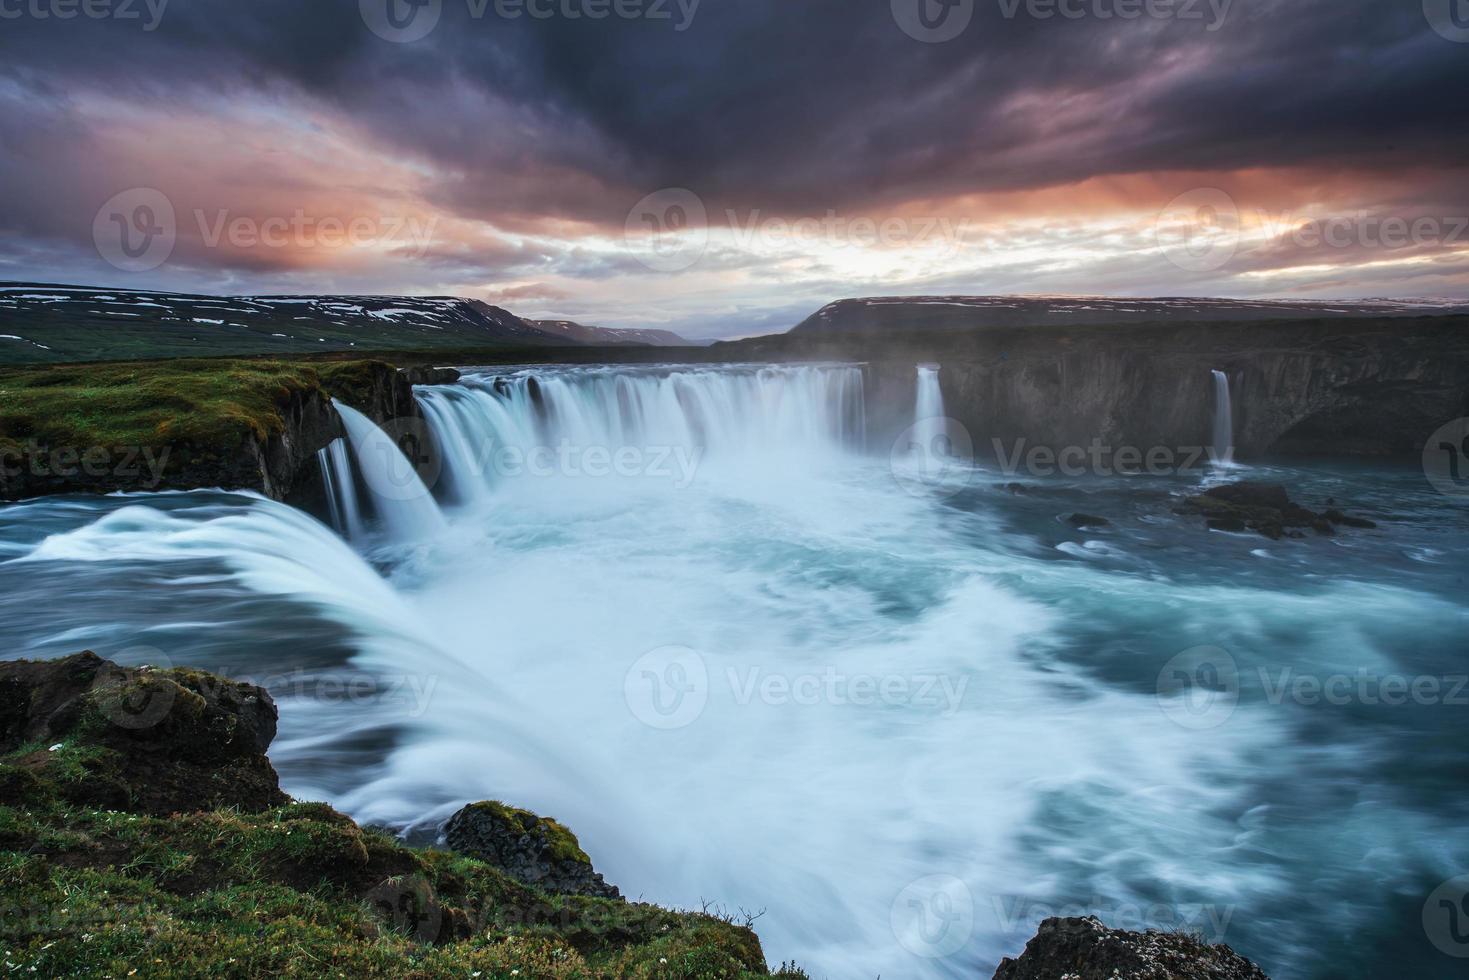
[[137, 739], [1345, 520], [1264, 508], [1087, 520], [1084, 949], [1016, 488], [535, 850], [430, 376]]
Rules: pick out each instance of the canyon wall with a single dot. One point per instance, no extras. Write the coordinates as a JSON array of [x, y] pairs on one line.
[[1359, 387]]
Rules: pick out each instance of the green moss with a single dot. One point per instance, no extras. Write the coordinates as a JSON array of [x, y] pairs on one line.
[[562, 842], [297, 892]]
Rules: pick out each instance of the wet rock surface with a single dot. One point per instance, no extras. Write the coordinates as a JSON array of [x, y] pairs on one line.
[[135, 739], [1266, 509], [1085, 949], [535, 850]]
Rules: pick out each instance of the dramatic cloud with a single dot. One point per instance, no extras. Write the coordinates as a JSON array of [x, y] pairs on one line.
[[767, 156]]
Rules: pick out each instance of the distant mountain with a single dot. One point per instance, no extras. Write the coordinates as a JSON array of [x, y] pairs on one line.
[[891, 314], [584, 334], [41, 323]]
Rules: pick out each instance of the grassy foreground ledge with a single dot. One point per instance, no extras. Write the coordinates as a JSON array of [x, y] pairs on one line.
[[182, 424], [142, 833]]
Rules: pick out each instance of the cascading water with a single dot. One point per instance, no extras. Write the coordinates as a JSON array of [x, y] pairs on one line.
[[907, 731], [930, 424], [403, 503], [341, 490], [1223, 448], [599, 422]]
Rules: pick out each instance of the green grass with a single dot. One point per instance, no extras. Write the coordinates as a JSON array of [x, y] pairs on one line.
[[148, 403]]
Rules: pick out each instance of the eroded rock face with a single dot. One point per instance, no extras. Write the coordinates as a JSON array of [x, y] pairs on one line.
[[135, 739], [1264, 508], [535, 850], [1085, 949]]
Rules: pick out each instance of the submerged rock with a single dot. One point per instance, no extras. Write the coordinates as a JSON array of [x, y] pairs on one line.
[[535, 850], [135, 739], [1080, 521], [1085, 949], [1265, 508]]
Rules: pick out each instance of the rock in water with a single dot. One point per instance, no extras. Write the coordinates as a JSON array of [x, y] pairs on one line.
[[1084, 949], [136, 739], [1082, 521], [1265, 508], [535, 850]]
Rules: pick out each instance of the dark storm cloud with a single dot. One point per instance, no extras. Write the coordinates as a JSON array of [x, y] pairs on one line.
[[800, 106]]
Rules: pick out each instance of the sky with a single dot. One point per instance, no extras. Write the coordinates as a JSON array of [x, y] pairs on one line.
[[726, 167]]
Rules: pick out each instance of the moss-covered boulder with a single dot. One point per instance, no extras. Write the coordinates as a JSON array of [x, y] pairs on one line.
[[1085, 949], [532, 849], [86, 731]]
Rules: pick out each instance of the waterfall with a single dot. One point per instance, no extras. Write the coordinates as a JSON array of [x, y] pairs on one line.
[[930, 425], [403, 503], [341, 489], [1223, 448], [633, 421]]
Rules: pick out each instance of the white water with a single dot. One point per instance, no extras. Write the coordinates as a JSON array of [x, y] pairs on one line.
[[930, 426], [341, 490], [1023, 759], [403, 503], [1223, 420]]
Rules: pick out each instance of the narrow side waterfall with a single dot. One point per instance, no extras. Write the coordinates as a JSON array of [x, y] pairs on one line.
[[930, 426], [403, 503], [1223, 446], [633, 422], [341, 490]]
